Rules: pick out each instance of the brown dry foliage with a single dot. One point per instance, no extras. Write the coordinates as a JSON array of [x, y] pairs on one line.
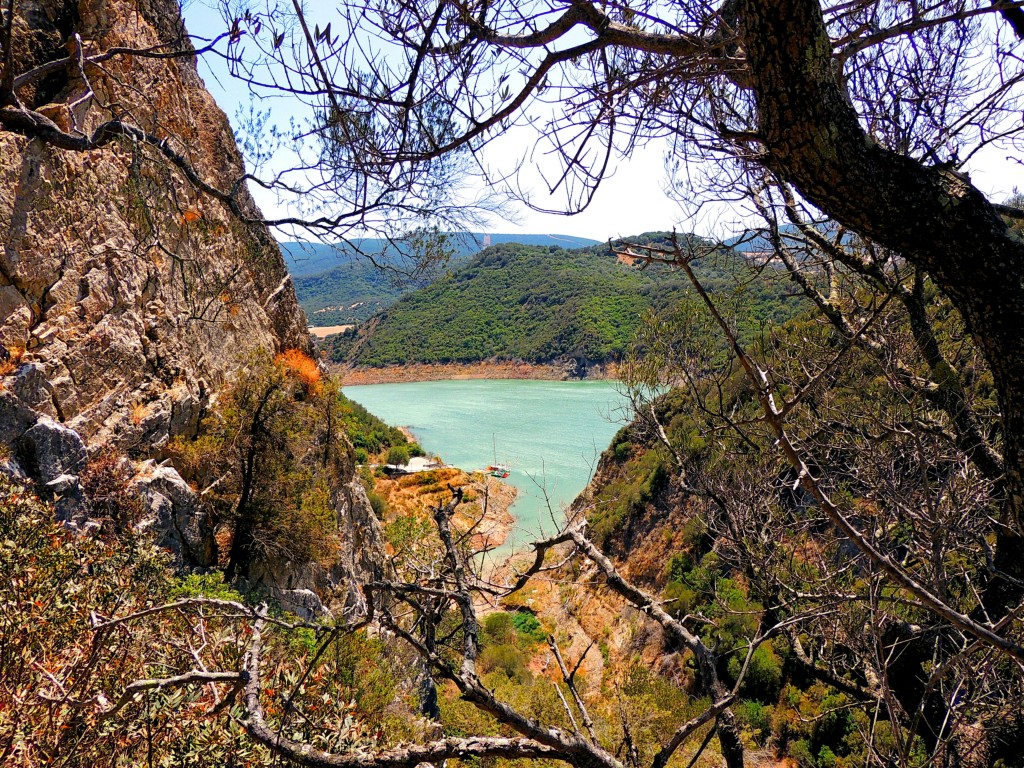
[[106, 483], [302, 367]]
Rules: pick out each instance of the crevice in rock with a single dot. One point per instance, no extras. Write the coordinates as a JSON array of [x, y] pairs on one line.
[[44, 305], [55, 401]]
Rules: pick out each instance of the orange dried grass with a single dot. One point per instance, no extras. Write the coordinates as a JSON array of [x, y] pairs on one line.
[[10, 365], [304, 368], [139, 412]]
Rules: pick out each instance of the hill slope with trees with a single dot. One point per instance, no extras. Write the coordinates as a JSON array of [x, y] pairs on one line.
[[336, 285], [739, 495], [540, 305]]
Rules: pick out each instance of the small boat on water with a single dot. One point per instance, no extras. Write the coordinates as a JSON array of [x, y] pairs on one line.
[[496, 469]]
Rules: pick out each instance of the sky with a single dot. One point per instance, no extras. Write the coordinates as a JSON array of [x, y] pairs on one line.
[[631, 201]]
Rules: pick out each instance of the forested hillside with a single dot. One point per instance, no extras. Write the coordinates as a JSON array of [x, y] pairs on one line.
[[349, 292], [335, 285], [517, 302]]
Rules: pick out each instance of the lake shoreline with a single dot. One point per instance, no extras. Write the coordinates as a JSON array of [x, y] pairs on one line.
[[485, 512], [414, 372], [550, 433]]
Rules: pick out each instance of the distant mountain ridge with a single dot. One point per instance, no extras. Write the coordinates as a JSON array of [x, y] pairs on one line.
[[335, 286], [305, 259], [758, 240]]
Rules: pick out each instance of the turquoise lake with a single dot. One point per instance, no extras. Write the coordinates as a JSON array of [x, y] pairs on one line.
[[550, 433]]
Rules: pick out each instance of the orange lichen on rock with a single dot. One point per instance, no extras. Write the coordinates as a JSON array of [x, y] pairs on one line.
[[190, 216]]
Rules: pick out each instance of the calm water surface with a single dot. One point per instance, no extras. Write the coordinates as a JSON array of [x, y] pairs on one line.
[[549, 432]]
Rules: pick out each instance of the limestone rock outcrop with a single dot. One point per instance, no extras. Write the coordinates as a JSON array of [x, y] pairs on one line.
[[360, 559], [128, 295], [51, 451], [176, 514]]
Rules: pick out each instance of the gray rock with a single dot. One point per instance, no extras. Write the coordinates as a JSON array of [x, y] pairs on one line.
[[49, 450], [287, 576], [63, 484], [185, 414], [11, 469], [153, 427], [85, 527], [11, 300], [31, 386], [15, 418], [361, 558], [125, 347], [111, 321], [70, 504], [304, 603], [178, 517]]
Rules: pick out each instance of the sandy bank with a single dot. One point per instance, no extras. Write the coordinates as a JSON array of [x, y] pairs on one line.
[[453, 371], [323, 331]]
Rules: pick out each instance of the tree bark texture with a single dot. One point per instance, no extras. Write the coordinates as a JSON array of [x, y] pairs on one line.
[[931, 215]]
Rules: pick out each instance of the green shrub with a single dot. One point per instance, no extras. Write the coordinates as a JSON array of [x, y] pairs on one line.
[[378, 504], [756, 718], [623, 451], [679, 566], [528, 627], [205, 585], [365, 430], [696, 537], [800, 751], [835, 723], [644, 477], [398, 455], [679, 598], [763, 680], [426, 479], [507, 659], [498, 629], [368, 477]]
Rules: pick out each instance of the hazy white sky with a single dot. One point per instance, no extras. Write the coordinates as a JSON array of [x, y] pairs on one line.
[[631, 201]]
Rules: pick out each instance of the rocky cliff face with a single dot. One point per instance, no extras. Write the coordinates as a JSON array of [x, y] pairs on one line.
[[128, 297], [125, 296]]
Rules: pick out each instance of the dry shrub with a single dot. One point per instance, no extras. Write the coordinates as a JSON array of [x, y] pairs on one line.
[[139, 412], [190, 216], [223, 536], [106, 482], [301, 366], [10, 359]]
